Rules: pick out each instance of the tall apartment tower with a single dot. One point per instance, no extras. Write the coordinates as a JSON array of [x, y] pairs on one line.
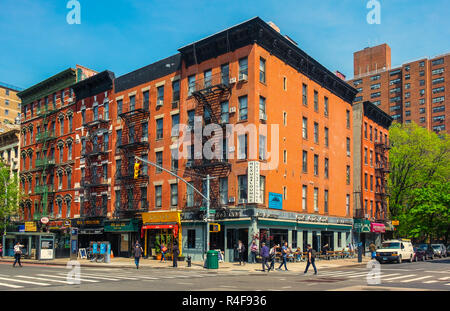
[[414, 91], [9, 104]]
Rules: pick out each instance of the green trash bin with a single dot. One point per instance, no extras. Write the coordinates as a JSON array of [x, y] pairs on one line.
[[212, 260]]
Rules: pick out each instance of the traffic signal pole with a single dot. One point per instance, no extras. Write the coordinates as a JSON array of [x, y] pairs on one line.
[[207, 197]]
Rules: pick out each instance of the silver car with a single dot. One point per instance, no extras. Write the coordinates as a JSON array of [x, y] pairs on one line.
[[439, 250]]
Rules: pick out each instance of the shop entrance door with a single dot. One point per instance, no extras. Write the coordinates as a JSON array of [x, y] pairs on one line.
[[328, 238], [243, 236]]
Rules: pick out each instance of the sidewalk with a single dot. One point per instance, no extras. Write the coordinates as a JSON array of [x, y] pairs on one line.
[[120, 262]]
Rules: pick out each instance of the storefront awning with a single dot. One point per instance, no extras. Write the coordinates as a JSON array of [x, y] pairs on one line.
[[160, 226]]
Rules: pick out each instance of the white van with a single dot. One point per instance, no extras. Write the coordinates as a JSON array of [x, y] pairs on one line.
[[395, 250]]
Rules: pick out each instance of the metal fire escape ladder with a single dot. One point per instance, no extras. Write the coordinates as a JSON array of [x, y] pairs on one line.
[[381, 171]]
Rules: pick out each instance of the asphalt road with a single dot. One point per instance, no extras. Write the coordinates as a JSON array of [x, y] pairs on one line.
[[430, 275]]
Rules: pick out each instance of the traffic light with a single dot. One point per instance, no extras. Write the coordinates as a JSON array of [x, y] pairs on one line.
[[137, 167], [214, 228]]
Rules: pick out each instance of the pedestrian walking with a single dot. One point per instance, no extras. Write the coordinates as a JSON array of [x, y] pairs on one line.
[[373, 250], [175, 253], [137, 251], [284, 254], [241, 250], [311, 257], [253, 251], [265, 257], [1, 250], [17, 254], [163, 252], [272, 256]]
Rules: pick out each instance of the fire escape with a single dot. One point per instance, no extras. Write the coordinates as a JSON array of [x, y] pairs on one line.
[[209, 93], [94, 180], [45, 162], [133, 142], [381, 171]]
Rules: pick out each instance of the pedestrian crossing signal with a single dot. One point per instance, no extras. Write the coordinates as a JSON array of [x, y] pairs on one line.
[[214, 228], [137, 167]]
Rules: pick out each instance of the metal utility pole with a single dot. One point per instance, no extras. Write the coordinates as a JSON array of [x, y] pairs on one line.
[[208, 178]]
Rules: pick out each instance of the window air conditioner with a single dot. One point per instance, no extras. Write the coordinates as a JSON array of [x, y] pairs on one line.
[[232, 109], [232, 80], [262, 116], [243, 77]]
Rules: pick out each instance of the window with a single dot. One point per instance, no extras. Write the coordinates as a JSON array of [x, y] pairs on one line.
[[437, 62], [262, 108], [69, 152], [305, 161], [437, 71], [132, 103], [439, 109], [243, 69], [365, 181], [421, 73], [316, 101], [284, 193], [285, 83], [305, 128], [304, 94], [224, 115], [174, 160], [160, 96], [438, 80], [316, 165], [395, 81], [223, 185], [262, 70], [407, 113], [262, 147], [119, 106], [348, 118], [284, 156], [438, 90], [348, 146], [407, 86], [439, 128], [375, 86], [242, 147], [159, 161], [191, 118], [395, 72], [191, 85], [396, 90], [189, 196], [242, 188], [316, 132], [326, 167], [207, 76], [357, 82], [225, 72], [325, 201], [375, 95], [158, 196], [325, 103], [159, 128], [371, 182], [422, 120], [191, 238], [348, 175], [358, 99], [61, 154], [407, 76], [174, 194], [326, 137], [371, 158], [438, 118], [438, 99], [60, 179], [175, 123], [374, 78], [316, 199], [347, 204], [243, 108], [304, 197], [284, 118], [422, 110]]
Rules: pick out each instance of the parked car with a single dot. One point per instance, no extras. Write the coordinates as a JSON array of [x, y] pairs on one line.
[[439, 250], [395, 250], [419, 254], [429, 251]]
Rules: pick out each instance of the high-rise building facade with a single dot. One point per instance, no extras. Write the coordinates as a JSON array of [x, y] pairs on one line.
[[415, 91], [9, 104]]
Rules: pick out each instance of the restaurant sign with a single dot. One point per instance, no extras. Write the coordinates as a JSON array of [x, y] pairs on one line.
[[121, 226], [161, 217], [30, 226]]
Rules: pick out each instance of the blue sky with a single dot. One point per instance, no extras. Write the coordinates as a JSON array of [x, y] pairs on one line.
[[123, 35]]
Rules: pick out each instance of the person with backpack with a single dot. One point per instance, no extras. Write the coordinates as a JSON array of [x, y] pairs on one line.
[[137, 251], [311, 257], [253, 251], [241, 250], [265, 257], [17, 253], [284, 254]]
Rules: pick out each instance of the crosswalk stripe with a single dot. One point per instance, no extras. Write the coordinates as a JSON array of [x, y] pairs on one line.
[[148, 277], [27, 282], [429, 282], [358, 275], [445, 279], [107, 277], [400, 277], [386, 275], [10, 285], [42, 279], [416, 279], [99, 277], [65, 277]]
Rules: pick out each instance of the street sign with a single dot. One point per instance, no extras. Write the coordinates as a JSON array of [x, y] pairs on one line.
[[395, 222], [212, 211]]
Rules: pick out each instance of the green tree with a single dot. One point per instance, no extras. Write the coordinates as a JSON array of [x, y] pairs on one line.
[[419, 169], [10, 195]]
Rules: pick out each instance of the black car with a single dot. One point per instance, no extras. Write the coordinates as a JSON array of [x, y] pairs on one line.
[[429, 251], [419, 254]]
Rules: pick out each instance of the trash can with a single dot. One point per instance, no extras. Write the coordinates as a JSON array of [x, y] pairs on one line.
[[212, 260]]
